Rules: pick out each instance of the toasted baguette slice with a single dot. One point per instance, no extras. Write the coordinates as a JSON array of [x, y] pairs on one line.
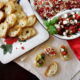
[[40, 60], [20, 14], [1, 5], [3, 30], [1, 16], [10, 7], [52, 69], [15, 31], [31, 21], [23, 22], [64, 53], [27, 33], [11, 20]]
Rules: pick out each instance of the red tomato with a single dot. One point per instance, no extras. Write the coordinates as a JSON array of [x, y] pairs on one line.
[[64, 53]]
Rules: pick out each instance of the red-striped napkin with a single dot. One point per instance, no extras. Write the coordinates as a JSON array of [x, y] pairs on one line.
[[75, 45]]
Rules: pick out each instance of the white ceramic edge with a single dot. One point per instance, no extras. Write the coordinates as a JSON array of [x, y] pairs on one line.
[[41, 37]]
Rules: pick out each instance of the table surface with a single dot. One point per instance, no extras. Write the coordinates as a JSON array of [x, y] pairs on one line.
[[12, 71]]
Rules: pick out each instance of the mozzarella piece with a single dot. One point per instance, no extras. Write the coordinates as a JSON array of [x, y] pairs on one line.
[[64, 33], [65, 22], [57, 25], [75, 21], [62, 49]]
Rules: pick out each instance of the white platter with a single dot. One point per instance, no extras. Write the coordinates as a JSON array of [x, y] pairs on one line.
[[42, 35], [57, 15]]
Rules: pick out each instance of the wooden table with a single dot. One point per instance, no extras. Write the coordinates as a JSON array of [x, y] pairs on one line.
[[12, 71]]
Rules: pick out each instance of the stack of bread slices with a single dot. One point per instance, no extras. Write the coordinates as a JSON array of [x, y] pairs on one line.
[[14, 22]]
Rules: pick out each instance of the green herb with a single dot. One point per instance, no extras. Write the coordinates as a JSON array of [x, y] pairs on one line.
[[6, 48], [52, 30], [47, 23], [53, 21], [21, 40]]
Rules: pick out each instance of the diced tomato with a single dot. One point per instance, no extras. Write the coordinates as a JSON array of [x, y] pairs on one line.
[[40, 3], [53, 52], [49, 15], [79, 29], [63, 46], [47, 3], [77, 16], [64, 53]]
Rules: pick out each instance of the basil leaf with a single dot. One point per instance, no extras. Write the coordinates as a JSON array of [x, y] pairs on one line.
[[52, 30], [53, 21], [6, 48], [46, 23]]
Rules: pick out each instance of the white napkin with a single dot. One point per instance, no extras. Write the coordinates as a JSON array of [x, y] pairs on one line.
[[66, 70]]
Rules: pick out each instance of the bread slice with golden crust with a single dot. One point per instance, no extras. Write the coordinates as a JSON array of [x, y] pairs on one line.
[[27, 33], [10, 8], [23, 22], [3, 30], [52, 69], [31, 20], [11, 20], [14, 31], [20, 14]]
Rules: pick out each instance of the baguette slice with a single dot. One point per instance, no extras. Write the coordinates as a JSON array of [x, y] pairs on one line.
[[1, 16], [51, 70], [27, 33], [23, 22], [31, 21], [11, 20], [10, 8], [3, 30], [64, 53], [20, 14], [15, 31]]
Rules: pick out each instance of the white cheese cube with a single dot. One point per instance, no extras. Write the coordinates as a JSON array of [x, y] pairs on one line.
[[64, 33], [62, 49], [75, 21], [65, 22], [57, 25]]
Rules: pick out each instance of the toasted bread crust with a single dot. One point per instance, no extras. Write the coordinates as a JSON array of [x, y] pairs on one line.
[[48, 71], [15, 31], [27, 33]]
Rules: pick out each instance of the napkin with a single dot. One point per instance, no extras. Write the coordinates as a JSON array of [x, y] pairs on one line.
[[75, 45]]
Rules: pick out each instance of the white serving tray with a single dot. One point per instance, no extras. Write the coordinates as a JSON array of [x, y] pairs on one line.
[[42, 35]]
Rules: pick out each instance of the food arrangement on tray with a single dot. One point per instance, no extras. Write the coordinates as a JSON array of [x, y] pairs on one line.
[[14, 22], [49, 13], [50, 52], [19, 29], [49, 8]]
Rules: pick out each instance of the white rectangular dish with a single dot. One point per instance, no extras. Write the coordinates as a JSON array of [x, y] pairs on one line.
[[42, 35]]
